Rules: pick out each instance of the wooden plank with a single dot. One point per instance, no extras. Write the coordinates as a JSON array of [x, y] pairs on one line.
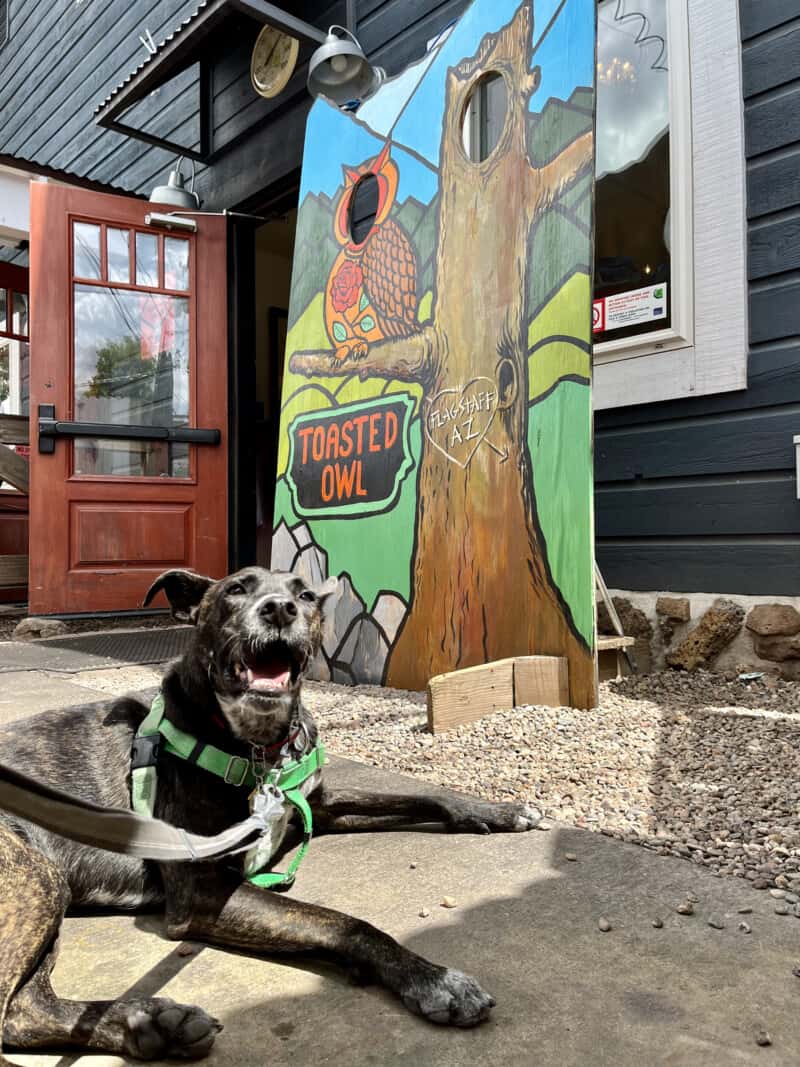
[[771, 62], [14, 469], [775, 312], [735, 444], [773, 248], [774, 184], [14, 430], [772, 123], [760, 15], [610, 642], [760, 568], [737, 505], [13, 571], [541, 680], [467, 695]]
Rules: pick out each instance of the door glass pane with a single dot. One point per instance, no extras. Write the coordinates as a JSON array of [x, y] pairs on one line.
[[632, 239], [3, 310], [117, 251], [131, 367], [131, 459], [86, 250], [20, 314], [176, 264], [15, 374], [147, 259]]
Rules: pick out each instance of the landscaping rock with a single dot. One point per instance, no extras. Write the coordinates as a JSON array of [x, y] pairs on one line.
[[33, 628], [768, 620], [715, 631], [777, 648], [674, 607]]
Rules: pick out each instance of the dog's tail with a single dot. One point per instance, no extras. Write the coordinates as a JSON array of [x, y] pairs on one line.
[[115, 829]]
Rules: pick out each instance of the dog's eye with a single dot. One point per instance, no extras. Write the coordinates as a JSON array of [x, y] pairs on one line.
[[236, 589], [307, 595]]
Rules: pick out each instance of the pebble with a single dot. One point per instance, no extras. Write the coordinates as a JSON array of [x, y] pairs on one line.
[[687, 908], [778, 894], [185, 950], [604, 925], [423, 913], [449, 902], [763, 1038], [746, 928], [678, 763], [412, 866], [781, 909], [796, 972], [693, 898], [658, 923], [570, 856], [745, 911], [716, 924]]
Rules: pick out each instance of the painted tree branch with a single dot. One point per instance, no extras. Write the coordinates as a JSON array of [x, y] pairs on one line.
[[406, 359], [556, 177]]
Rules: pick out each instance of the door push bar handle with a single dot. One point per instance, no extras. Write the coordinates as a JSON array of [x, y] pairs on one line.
[[51, 428]]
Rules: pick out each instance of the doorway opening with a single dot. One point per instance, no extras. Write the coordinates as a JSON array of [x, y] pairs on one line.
[[274, 250]]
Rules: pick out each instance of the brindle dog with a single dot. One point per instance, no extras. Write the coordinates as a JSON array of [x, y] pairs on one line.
[[237, 686]]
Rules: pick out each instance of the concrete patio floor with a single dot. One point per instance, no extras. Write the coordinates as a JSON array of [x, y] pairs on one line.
[[526, 925]]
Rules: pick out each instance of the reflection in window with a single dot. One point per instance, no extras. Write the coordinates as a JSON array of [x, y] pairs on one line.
[[131, 459], [3, 310], [15, 374], [147, 259], [86, 250], [484, 117], [19, 321], [118, 253], [632, 238], [176, 264]]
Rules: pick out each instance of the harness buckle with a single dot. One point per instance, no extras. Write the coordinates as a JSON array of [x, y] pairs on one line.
[[144, 751], [243, 766]]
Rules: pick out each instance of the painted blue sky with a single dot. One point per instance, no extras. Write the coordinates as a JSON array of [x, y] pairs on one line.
[[410, 107]]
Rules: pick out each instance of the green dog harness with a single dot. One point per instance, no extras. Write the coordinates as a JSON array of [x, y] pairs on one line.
[[270, 789]]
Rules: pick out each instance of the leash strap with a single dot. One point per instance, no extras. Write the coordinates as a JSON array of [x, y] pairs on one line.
[[116, 829]]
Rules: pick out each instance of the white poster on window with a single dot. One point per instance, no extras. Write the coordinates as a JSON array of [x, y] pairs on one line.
[[634, 308]]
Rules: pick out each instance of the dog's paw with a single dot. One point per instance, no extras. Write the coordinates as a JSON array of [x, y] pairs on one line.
[[480, 817], [160, 1028], [449, 998]]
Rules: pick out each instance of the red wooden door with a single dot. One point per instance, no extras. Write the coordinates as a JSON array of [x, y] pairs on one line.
[[128, 368]]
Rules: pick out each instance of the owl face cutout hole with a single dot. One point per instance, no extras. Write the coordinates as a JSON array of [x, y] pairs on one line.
[[484, 116]]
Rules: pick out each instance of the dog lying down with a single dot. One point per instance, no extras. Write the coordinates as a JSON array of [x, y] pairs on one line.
[[236, 696]]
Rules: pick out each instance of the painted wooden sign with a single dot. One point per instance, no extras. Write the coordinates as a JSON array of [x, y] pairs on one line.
[[436, 419]]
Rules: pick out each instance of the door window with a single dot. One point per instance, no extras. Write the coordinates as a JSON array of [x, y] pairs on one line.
[[132, 345]]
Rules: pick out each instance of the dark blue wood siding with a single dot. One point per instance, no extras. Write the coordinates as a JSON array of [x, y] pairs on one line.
[[699, 495]]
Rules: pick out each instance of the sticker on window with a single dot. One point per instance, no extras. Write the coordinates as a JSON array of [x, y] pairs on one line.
[[630, 309]]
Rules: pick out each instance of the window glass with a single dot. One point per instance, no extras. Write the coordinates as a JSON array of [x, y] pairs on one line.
[[484, 117], [86, 250], [632, 284], [118, 255], [15, 376], [19, 321], [176, 263], [3, 310], [131, 459], [147, 259]]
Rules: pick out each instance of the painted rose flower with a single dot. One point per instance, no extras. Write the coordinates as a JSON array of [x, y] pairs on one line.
[[346, 285]]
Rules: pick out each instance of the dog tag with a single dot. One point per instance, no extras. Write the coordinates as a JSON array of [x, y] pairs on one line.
[[267, 804]]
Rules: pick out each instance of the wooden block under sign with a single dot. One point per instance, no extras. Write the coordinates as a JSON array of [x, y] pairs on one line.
[[542, 680], [469, 694]]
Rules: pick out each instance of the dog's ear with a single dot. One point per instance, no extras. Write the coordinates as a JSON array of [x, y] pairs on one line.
[[184, 591], [328, 588]]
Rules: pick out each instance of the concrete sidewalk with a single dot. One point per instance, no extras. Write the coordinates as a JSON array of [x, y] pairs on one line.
[[526, 925]]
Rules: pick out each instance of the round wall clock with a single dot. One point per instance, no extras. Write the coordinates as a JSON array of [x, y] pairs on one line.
[[273, 61]]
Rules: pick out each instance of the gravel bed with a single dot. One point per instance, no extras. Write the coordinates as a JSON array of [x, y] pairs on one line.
[[700, 766], [92, 624]]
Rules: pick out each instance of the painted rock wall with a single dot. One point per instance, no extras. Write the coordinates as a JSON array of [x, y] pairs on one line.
[[436, 418]]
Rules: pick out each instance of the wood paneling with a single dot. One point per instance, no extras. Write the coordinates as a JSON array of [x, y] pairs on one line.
[[771, 62], [774, 311], [130, 534], [773, 183], [772, 123], [760, 15], [774, 247]]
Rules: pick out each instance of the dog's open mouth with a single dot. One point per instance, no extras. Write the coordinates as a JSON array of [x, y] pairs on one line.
[[270, 668]]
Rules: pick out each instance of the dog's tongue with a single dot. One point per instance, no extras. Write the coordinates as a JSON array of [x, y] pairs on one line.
[[271, 672]]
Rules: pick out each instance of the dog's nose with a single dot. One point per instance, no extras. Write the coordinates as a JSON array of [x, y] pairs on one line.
[[278, 610]]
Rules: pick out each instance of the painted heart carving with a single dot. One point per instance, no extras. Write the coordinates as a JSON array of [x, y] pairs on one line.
[[458, 419]]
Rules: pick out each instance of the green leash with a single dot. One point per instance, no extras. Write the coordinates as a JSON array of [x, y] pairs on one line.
[[281, 782]]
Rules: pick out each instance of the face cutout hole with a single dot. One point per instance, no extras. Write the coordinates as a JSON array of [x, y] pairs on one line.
[[363, 208], [484, 117], [506, 383]]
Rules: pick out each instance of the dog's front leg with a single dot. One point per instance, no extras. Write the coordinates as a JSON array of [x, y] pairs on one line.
[[339, 809], [263, 922]]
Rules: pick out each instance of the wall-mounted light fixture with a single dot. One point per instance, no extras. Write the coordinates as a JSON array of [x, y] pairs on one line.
[[175, 192], [340, 71]]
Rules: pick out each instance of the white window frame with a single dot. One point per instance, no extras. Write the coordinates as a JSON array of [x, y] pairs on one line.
[[705, 349]]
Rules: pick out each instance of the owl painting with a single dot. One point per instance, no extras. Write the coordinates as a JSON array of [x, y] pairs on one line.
[[371, 292]]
